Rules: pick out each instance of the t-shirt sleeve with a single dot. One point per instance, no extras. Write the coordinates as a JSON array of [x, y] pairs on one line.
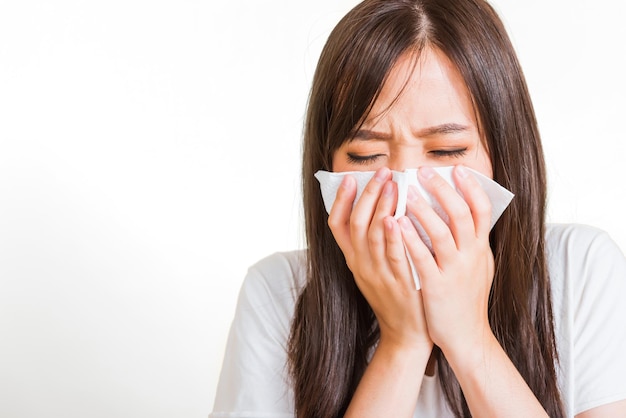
[[599, 322], [253, 380]]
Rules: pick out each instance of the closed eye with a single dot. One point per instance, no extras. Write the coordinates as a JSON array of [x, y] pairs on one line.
[[449, 152], [363, 159]]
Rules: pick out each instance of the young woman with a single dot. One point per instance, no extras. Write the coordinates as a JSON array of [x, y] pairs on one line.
[[524, 320]]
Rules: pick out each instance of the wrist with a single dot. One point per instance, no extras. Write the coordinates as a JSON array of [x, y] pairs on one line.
[[415, 352], [473, 354]]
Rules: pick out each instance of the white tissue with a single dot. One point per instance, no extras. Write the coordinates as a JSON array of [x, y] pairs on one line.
[[330, 182]]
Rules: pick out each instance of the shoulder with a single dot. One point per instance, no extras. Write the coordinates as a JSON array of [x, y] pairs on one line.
[[277, 277], [254, 379], [584, 260], [270, 290], [573, 238], [269, 293], [582, 251], [588, 281], [289, 265]]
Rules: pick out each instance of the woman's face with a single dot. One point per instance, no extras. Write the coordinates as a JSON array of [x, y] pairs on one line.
[[432, 121]]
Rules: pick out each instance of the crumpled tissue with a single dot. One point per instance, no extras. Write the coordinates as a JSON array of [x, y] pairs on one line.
[[330, 182]]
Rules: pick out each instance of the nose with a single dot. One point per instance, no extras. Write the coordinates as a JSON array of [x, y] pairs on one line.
[[401, 158]]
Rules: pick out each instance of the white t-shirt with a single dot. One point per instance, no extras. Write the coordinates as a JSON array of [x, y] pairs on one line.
[[588, 277]]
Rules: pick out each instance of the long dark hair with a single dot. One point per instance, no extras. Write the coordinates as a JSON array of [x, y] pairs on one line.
[[334, 329]]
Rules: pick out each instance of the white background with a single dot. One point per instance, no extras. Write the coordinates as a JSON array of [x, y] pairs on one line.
[[150, 152]]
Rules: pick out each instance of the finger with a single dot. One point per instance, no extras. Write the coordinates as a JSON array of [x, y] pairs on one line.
[[477, 200], [442, 241], [425, 264], [397, 253], [460, 222], [364, 209], [339, 216], [387, 202], [376, 235]]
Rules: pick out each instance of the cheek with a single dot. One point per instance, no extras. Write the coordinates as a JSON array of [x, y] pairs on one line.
[[481, 163], [336, 163], [485, 166]]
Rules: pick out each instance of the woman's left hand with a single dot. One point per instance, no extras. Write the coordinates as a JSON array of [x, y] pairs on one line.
[[456, 277]]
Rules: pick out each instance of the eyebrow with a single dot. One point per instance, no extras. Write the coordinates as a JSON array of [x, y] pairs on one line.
[[443, 129]]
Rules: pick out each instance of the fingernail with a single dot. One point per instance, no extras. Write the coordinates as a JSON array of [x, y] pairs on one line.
[[412, 193], [462, 171], [426, 172], [405, 223], [382, 174], [345, 183]]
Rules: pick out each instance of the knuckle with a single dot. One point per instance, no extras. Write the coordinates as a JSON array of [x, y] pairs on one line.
[[419, 254], [437, 181], [374, 241], [483, 207], [358, 222], [438, 233], [334, 222], [395, 258], [370, 192], [436, 185], [460, 211]]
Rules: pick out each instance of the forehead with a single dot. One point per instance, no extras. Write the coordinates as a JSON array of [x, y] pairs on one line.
[[427, 89]]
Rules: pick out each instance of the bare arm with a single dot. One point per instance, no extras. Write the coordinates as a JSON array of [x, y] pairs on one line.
[[491, 384], [391, 383]]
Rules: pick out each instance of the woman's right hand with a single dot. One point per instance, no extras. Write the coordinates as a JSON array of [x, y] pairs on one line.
[[371, 241]]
